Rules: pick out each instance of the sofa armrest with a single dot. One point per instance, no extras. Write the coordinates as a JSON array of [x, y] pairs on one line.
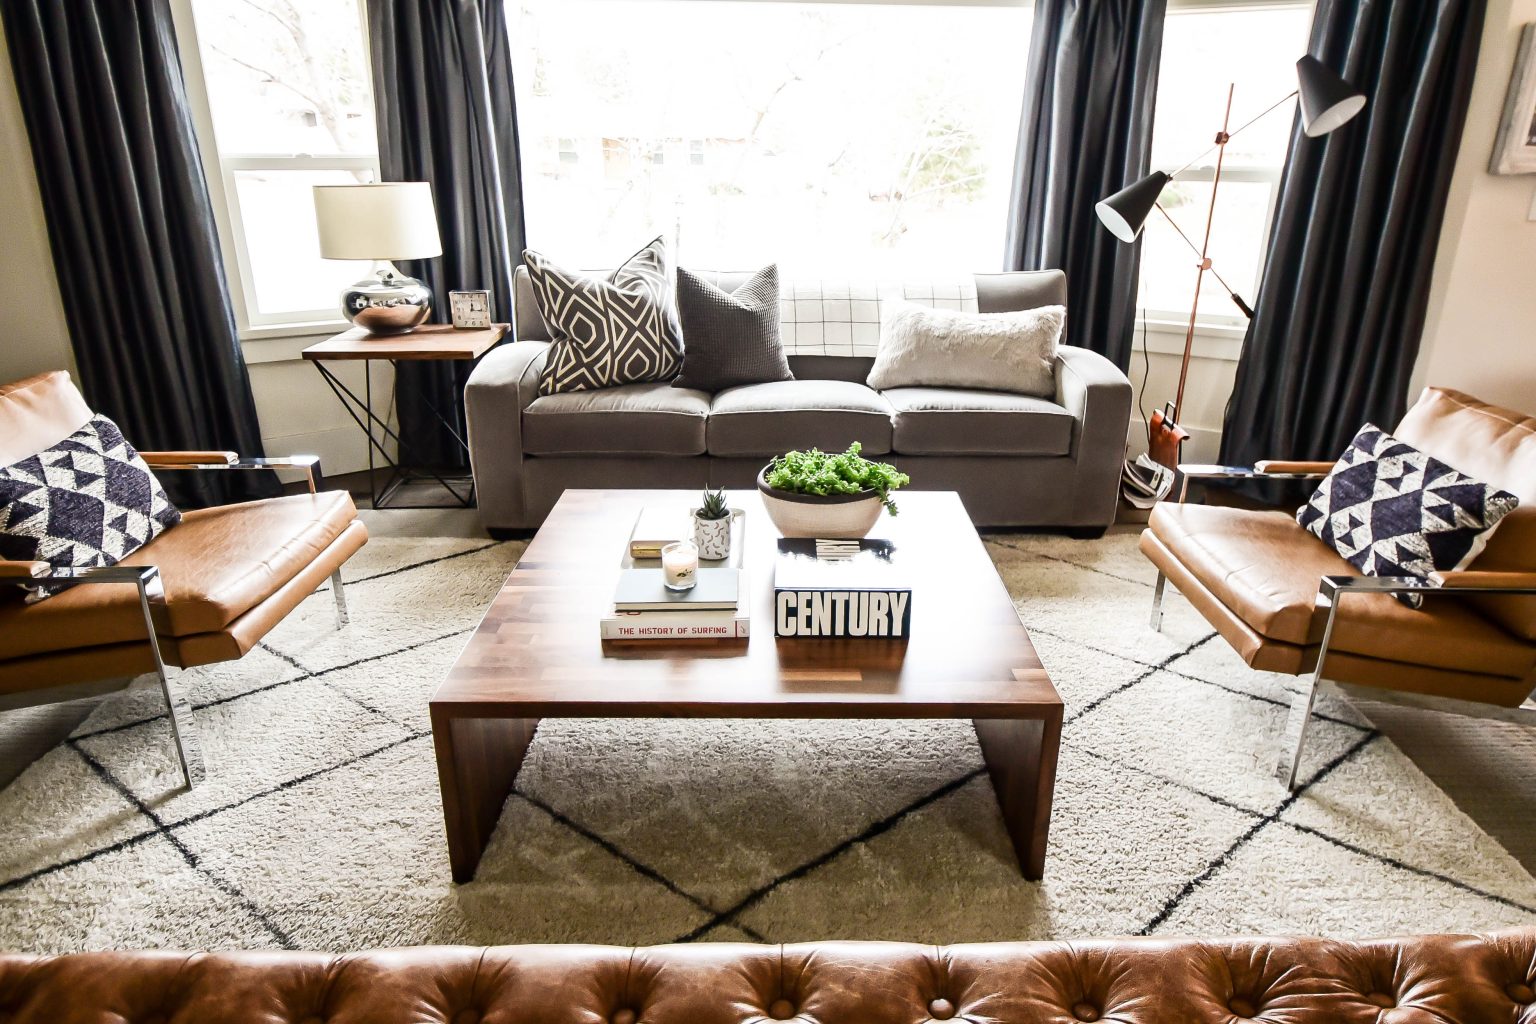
[[503, 384], [1098, 396]]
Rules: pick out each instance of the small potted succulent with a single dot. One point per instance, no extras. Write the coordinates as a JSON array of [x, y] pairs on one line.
[[816, 494], [712, 525]]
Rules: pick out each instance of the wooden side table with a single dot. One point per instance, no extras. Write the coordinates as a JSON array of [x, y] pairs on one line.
[[429, 342]]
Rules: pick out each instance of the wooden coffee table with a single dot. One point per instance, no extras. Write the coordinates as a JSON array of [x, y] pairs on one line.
[[537, 655]]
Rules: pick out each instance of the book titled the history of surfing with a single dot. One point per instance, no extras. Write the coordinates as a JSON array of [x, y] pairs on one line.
[[840, 588]]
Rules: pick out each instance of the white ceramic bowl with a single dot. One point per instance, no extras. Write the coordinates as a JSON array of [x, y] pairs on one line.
[[831, 517]]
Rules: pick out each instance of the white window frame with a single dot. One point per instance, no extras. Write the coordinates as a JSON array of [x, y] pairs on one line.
[[1219, 322], [220, 169]]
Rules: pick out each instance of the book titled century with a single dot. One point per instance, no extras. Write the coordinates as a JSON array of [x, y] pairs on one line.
[[842, 613]]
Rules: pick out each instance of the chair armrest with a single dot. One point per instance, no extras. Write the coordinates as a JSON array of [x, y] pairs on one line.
[[1269, 470], [21, 571], [170, 460], [310, 464], [1293, 468], [1461, 583], [1485, 581]]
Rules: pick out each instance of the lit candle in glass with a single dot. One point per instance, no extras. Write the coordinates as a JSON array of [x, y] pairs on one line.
[[680, 565]]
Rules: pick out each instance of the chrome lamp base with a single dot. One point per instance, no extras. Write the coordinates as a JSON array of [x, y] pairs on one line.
[[386, 301]]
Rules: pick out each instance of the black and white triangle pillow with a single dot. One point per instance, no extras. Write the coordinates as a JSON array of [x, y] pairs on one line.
[[87, 501], [1391, 510], [623, 330]]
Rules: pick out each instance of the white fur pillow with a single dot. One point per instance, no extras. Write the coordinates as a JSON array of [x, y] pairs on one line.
[[942, 348]]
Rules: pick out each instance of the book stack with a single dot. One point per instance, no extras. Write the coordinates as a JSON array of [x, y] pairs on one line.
[[645, 610], [839, 589]]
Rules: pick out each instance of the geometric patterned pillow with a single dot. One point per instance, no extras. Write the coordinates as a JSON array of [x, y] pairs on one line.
[[623, 330], [1391, 510], [87, 501]]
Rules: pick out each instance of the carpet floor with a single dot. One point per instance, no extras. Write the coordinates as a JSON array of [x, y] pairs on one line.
[[320, 826]]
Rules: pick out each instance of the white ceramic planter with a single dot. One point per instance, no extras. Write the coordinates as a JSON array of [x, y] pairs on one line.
[[832, 517], [713, 536]]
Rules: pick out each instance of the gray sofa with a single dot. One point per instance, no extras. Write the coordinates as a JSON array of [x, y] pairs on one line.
[[1015, 460]]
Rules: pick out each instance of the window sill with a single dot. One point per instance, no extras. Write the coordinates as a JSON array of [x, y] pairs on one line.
[[1212, 341], [286, 342]]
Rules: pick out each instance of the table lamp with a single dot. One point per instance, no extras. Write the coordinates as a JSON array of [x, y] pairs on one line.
[[394, 220], [1327, 103]]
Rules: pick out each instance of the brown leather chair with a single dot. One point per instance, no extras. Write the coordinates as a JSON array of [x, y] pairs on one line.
[[204, 591], [1277, 594], [1426, 979]]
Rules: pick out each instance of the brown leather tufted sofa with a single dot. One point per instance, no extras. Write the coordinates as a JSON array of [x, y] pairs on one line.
[[1444, 979]]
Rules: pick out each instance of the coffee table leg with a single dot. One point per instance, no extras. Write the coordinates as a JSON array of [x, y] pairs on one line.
[[1021, 758], [477, 762]]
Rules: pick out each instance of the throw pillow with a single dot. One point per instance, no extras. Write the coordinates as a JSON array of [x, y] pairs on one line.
[[87, 501], [1392, 510], [621, 330], [943, 348], [730, 339]]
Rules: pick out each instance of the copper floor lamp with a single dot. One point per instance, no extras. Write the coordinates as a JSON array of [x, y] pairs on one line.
[[1327, 102]]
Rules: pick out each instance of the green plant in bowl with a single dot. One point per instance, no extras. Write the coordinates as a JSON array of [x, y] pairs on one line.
[[823, 474]]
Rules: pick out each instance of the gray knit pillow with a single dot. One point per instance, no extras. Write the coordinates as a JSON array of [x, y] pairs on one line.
[[730, 339]]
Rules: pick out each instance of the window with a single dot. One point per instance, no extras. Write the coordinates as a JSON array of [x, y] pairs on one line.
[[290, 103], [834, 137], [1206, 48]]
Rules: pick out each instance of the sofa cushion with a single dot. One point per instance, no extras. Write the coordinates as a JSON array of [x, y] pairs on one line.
[[771, 419], [218, 564], [620, 330], [960, 421], [635, 419], [1265, 568], [730, 339], [1015, 351]]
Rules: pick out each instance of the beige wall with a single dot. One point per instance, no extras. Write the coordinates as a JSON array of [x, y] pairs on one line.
[[33, 336], [1480, 335]]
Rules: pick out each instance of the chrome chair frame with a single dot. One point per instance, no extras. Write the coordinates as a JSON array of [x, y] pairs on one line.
[[1330, 593], [152, 592]]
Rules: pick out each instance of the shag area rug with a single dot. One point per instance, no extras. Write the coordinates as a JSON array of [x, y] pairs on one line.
[[320, 826]]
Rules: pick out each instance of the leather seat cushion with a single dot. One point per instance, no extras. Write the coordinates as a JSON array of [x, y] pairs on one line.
[[763, 420], [635, 419], [961, 421], [215, 565], [1265, 569]]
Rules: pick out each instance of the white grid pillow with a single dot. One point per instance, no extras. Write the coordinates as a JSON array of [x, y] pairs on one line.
[[842, 318]]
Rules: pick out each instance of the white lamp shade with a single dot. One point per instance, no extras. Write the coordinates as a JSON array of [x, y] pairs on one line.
[[394, 220]]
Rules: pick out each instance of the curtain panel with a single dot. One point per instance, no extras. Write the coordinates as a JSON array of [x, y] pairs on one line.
[[1339, 316], [132, 232], [1085, 133], [442, 76]]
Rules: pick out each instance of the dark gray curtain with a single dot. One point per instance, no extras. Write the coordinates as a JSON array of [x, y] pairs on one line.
[[1341, 309], [132, 231], [1086, 132], [442, 75]]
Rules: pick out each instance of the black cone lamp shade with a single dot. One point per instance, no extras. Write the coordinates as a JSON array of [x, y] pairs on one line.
[[1126, 211], [1327, 101]]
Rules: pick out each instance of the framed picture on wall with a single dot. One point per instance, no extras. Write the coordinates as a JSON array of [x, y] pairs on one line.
[[1514, 150]]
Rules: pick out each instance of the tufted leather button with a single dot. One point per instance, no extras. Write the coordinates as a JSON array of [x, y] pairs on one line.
[[1086, 1012], [1521, 993], [623, 1016], [782, 1009], [1241, 1007], [1380, 999], [941, 1009]]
